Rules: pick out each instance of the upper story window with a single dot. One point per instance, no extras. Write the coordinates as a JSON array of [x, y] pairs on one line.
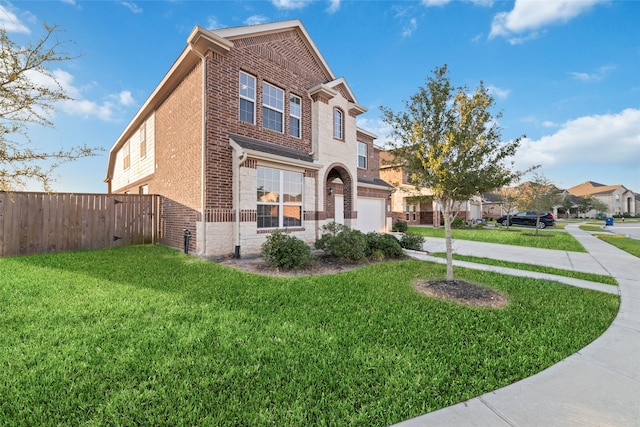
[[337, 124], [143, 141], [295, 115], [272, 107], [362, 155], [279, 198], [126, 155], [247, 92]]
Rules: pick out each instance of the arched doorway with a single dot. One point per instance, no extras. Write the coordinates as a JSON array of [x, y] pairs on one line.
[[339, 205]]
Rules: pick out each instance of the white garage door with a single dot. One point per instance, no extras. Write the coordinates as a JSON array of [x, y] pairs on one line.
[[370, 215]]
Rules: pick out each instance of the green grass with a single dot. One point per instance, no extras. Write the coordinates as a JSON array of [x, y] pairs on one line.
[[599, 278], [621, 242], [149, 336], [588, 227], [559, 240]]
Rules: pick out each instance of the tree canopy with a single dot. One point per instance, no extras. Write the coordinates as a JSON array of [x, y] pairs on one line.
[[449, 141], [29, 92]]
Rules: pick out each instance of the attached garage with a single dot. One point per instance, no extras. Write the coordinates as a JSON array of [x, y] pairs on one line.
[[371, 215]]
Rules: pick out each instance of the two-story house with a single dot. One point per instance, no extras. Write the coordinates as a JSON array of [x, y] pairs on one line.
[[618, 199], [416, 206], [249, 132]]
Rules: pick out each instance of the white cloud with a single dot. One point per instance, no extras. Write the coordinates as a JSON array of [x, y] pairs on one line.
[[498, 92], [599, 74], [529, 16], [435, 3], [10, 22], [78, 105], [125, 98], [290, 4], [213, 24], [334, 6], [377, 127], [611, 140], [131, 6], [255, 20], [438, 3], [410, 27]]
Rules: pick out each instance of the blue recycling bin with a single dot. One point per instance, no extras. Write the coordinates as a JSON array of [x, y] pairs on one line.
[[608, 221]]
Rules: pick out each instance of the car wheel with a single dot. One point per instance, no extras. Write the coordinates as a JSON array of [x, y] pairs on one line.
[[541, 225], [505, 223]]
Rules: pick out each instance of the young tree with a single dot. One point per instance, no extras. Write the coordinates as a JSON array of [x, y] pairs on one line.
[[448, 141], [585, 204], [509, 199], [538, 195], [567, 204], [28, 94], [599, 206]]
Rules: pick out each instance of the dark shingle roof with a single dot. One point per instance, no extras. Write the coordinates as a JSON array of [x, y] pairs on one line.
[[374, 181], [269, 148]]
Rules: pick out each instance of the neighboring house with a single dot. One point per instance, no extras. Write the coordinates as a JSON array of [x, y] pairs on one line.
[[618, 198], [416, 206], [249, 132]]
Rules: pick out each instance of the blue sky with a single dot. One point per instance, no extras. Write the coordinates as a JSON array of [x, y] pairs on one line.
[[565, 73]]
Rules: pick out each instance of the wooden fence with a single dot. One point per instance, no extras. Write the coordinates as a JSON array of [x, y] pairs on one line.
[[33, 223]]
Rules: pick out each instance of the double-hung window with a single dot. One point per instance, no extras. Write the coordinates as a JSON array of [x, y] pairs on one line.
[[362, 155], [337, 123], [272, 107], [279, 197], [295, 115], [247, 93]]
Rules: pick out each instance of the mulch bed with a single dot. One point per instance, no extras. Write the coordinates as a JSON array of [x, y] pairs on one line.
[[461, 292]]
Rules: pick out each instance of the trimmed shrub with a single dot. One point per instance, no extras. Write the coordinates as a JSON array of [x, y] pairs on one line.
[[412, 241], [343, 242], [457, 223], [400, 226], [385, 243], [288, 252]]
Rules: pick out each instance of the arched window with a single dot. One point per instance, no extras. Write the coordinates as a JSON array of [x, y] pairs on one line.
[[337, 124]]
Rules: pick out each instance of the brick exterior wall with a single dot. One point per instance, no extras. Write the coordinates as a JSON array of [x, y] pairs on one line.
[[280, 59], [174, 218], [179, 143]]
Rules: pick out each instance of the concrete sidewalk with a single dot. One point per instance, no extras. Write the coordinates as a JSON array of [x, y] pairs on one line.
[[597, 386]]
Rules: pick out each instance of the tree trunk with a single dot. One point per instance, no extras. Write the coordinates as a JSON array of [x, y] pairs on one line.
[[446, 207]]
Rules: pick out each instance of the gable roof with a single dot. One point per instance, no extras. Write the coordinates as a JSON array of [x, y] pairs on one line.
[[590, 188], [199, 42], [234, 33]]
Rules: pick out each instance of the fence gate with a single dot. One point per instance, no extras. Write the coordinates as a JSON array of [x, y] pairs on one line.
[[33, 223]]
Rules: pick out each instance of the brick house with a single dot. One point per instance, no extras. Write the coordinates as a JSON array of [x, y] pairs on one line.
[[416, 206], [248, 132]]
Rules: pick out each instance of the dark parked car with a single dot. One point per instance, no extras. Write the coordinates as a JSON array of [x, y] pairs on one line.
[[528, 218]]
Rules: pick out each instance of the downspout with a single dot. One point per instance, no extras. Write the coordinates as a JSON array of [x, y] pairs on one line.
[[236, 204], [203, 182]]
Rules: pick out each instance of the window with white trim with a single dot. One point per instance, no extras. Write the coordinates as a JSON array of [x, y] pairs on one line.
[[362, 155], [337, 123], [295, 115], [279, 197], [247, 93], [272, 107]]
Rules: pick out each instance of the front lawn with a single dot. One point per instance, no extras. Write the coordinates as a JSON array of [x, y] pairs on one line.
[[627, 244], [591, 277], [517, 236], [149, 336]]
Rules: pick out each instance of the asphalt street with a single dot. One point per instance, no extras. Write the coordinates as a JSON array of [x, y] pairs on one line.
[[629, 229]]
